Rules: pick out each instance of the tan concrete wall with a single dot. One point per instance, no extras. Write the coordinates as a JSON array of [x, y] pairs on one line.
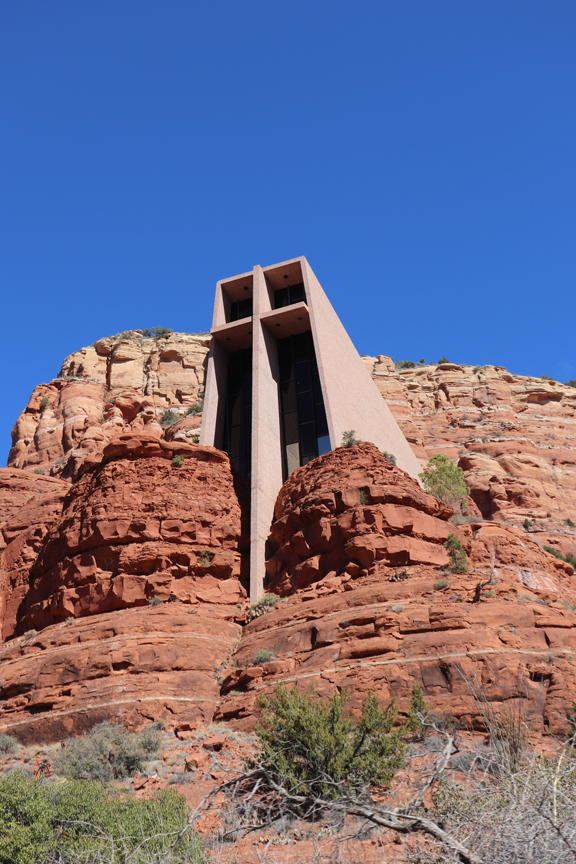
[[266, 448], [351, 398]]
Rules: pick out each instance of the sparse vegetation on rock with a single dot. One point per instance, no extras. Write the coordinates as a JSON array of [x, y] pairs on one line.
[[445, 481]]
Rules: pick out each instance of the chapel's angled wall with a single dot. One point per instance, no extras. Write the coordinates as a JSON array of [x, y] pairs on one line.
[[351, 398]]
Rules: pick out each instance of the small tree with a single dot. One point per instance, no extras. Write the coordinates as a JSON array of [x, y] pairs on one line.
[[168, 418], [443, 360], [456, 554], [310, 744], [445, 480], [348, 439]]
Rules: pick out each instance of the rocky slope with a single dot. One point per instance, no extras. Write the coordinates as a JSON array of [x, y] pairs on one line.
[[99, 523], [371, 607]]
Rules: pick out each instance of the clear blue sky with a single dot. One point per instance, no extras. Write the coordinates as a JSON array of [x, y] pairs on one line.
[[420, 154]]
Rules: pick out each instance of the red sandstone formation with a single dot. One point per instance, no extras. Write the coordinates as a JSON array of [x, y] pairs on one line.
[[387, 614], [136, 526], [356, 552], [30, 505], [132, 666]]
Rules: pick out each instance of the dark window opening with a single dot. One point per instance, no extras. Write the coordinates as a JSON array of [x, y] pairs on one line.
[[303, 418], [289, 295], [241, 309], [238, 411]]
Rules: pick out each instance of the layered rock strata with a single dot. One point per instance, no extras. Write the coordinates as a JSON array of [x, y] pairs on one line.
[[147, 519], [390, 613], [134, 666]]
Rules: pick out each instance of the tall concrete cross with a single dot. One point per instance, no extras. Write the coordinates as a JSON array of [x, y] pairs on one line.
[[283, 383]]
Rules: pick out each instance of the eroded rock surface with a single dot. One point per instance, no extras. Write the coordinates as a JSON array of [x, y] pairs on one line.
[[134, 527], [387, 613], [133, 666], [121, 383]]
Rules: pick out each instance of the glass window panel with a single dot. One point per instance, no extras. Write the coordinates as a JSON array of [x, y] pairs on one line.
[[288, 391], [317, 389], [235, 410], [324, 444], [235, 435], [321, 421], [308, 439], [285, 366], [301, 346], [247, 390], [292, 457], [234, 380], [246, 360], [303, 380], [291, 428], [297, 294], [305, 408], [281, 298]]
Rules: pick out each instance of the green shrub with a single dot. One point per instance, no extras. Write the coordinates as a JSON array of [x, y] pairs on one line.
[[157, 333], [38, 471], [443, 360], [456, 554], [363, 497], [80, 821], [195, 439], [194, 409], [348, 439], [418, 714], [444, 480], [405, 364], [178, 461], [555, 552], [570, 523], [310, 743], [108, 751], [7, 744], [206, 557], [389, 456], [527, 524], [168, 418], [440, 584], [155, 601], [44, 402], [263, 655], [263, 605], [571, 383]]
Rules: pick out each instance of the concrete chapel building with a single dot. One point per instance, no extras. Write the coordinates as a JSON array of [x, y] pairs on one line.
[[284, 382]]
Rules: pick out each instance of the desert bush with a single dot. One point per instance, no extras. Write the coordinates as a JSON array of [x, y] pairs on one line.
[[440, 584], [312, 744], [157, 332], [523, 816], [348, 439], [263, 655], [194, 410], [264, 605], [569, 523], [527, 524], [155, 601], [389, 456], [444, 480], [44, 402], [571, 383], [456, 554], [405, 364], [80, 821], [363, 497], [443, 360], [177, 461], [205, 558], [106, 752], [38, 471], [168, 418], [8, 744]]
